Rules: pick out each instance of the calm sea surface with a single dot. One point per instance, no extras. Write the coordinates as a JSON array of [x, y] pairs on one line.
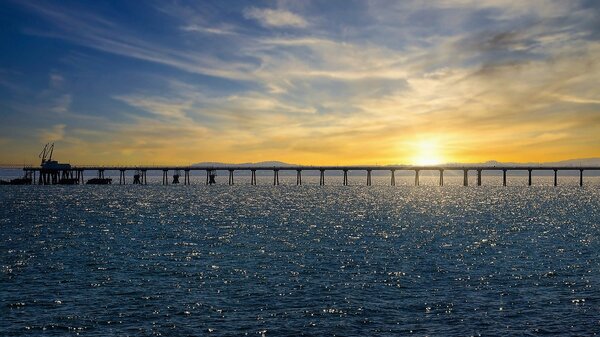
[[308, 260]]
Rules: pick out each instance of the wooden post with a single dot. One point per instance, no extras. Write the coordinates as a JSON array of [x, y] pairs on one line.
[[555, 177], [417, 182], [529, 181], [393, 178], [504, 177], [441, 177], [465, 177], [580, 177]]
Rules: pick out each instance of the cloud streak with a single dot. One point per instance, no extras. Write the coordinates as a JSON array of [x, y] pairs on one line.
[[275, 17]]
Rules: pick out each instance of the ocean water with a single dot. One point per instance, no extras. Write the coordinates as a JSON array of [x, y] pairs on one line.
[[301, 260]]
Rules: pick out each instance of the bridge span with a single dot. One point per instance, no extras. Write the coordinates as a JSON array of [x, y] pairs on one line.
[[75, 174]]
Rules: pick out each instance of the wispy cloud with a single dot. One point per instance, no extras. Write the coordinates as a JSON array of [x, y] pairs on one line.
[[275, 17], [52, 134], [62, 104], [208, 30]]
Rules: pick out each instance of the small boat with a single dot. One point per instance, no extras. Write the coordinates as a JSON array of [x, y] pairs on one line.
[[21, 181], [176, 177], [212, 174], [26, 180], [99, 181]]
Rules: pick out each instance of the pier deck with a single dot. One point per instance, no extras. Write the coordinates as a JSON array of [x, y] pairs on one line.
[[77, 172]]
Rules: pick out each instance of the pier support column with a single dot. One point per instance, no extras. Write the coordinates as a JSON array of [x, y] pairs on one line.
[[144, 174], [322, 177], [275, 177], [465, 177], [503, 177], [368, 177], [345, 183], [186, 177], [230, 177], [298, 177], [207, 176], [253, 178], [529, 180], [417, 182], [165, 177], [441, 177], [555, 177], [580, 177], [478, 177], [393, 178]]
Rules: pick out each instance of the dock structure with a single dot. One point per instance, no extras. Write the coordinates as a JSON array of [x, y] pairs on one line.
[[139, 173]]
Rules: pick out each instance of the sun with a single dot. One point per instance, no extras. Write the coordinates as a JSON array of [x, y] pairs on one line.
[[427, 153]]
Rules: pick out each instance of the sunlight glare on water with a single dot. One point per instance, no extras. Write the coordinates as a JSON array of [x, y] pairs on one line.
[[289, 260]]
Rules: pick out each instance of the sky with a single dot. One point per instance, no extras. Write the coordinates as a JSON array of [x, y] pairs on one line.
[[306, 82]]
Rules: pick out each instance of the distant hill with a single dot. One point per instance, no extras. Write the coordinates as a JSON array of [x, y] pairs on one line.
[[570, 162], [490, 163], [262, 163]]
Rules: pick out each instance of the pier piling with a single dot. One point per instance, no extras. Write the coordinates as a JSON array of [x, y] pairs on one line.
[[231, 177], [322, 178], [393, 178], [441, 177], [417, 182], [555, 177], [478, 177], [165, 177], [529, 181], [122, 177], [298, 177], [580, 178], [465, 177], [345, 182], [368, 177]]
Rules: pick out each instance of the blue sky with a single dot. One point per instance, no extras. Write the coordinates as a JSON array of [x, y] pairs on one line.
[[299, 81]]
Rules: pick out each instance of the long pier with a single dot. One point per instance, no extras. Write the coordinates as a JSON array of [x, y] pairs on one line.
[[76, 173]]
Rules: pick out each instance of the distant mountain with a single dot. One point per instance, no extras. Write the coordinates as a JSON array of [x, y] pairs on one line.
[[570, 162], [490, 163], [262, 163]]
